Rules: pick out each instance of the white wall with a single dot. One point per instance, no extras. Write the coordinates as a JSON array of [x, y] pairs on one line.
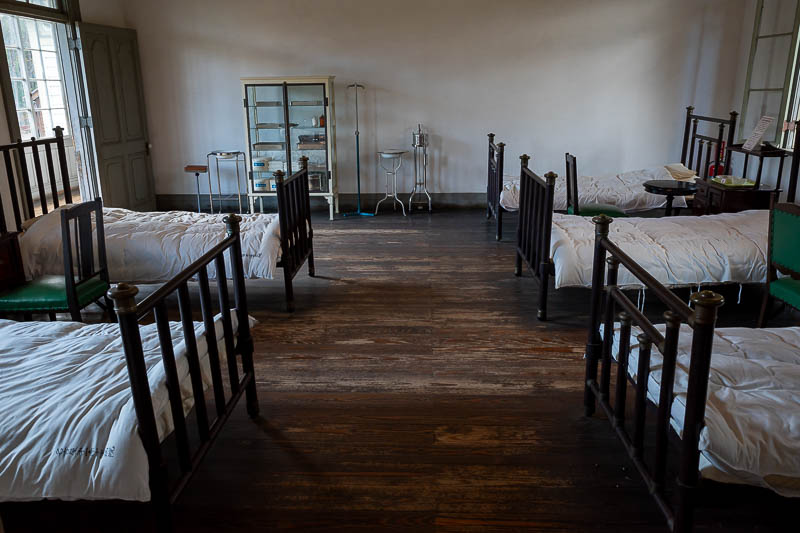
[[607, 80]]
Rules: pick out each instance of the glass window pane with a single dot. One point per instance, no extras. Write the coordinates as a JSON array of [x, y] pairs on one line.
[[38, 93], [27, 28], [55, 94], [44, 123], [45, 3], [60, 119], [759, 104], [14, 56], [33, 63], [25, 124], [20, 94], [777, 17], [47, 39], [770, 62], [10, 35], [51, 68]]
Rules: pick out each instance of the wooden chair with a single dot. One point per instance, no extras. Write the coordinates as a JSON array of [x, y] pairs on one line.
[[85, 278], [784, 257], [586, 210]]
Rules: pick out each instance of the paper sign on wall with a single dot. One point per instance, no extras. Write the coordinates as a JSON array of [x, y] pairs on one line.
[[758, 133]]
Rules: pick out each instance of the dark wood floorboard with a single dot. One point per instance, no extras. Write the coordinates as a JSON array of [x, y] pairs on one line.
[[414, 390]]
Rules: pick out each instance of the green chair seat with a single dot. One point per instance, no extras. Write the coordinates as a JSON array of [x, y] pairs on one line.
[[592, 210], [786, 289], [49, 293]]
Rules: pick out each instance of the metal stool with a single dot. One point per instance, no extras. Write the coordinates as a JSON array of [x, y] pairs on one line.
[[197, 170], [235, 157], [390, 156]]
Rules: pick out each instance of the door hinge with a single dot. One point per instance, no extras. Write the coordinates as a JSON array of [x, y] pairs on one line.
[[326, 101], [85, 122], [73, 44]]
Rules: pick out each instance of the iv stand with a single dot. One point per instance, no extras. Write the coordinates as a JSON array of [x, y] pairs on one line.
[[358, 212]]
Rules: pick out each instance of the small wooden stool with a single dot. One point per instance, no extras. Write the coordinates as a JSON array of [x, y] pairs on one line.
[[197, 170]]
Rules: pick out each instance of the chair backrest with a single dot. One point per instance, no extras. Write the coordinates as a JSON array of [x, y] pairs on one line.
[[784, 239], [79, 242], [572, 184]]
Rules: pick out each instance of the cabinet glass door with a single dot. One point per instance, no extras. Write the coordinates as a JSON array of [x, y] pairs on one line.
[[267, 133], [307, 133]]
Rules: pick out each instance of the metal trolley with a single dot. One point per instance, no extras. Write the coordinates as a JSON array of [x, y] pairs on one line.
[[224, 155]]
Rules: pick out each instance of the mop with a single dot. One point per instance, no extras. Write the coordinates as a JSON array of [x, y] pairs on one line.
[[357, 212]]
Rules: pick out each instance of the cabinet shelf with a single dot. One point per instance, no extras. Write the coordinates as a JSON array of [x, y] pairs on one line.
[[306, 103], [274, 103]]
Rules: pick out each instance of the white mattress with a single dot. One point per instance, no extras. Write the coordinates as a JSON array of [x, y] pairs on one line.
[[69, 427], [677, 251], [154, 247], [752, 420], [624, 191]]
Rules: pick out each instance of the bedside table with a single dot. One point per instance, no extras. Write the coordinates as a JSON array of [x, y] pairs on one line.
[[712, 198]]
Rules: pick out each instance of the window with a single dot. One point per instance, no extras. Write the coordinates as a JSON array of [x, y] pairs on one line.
[[36, 75], [45, 3]]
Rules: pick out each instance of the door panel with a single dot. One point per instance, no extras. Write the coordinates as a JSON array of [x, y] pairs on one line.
[[114, 88]]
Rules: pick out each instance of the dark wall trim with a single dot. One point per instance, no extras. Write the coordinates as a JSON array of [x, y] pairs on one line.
[[347, 202]]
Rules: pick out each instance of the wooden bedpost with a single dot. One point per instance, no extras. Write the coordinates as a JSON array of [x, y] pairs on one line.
[[523, 159], [498, 191], [245, 340], [594, 341], [731, 139], [307, 216], [706, 304], [123, 295], [791, 191], [545, 264], [489, 178], [689, 111]]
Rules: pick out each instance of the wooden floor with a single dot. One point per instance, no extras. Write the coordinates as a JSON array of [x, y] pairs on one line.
[[414, 390]]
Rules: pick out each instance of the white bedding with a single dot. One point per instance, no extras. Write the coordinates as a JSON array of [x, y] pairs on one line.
[[624, 191], [752, 431], [153, 247], [677, 251], [68, 424]]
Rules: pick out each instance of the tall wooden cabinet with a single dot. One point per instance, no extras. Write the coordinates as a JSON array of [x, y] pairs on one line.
[[286, 119]]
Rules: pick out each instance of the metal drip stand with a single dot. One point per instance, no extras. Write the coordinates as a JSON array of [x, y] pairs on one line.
[[358, 212], [225, 155], [419, 141]]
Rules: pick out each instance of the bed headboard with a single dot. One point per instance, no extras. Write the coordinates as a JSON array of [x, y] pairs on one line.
[[23, 166], [606, 301], [694, 143]]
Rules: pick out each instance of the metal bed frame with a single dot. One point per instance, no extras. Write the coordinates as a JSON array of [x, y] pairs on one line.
[[536, 211], [238, 350], [495, 184], [294, 209], [606, 299]]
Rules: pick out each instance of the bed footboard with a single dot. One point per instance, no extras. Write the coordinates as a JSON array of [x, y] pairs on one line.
[[494, 187], [534, 227], [297, 236], [239, 343], [606, 300]]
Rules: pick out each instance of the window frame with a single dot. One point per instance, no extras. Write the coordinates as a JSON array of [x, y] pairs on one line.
[[788, 96]]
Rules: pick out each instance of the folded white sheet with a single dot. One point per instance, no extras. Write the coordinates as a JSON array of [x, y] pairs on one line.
[[624, 191], [153, 247], [677, 251], [752, 431], [69, 429]]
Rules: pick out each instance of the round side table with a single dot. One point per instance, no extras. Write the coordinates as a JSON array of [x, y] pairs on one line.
[[393, 158], [670, 189]]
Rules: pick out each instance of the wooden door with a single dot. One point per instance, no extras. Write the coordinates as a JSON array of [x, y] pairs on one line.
[[110, 59]]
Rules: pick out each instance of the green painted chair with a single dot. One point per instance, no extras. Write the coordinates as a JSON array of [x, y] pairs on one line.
[[586, 210], [784, 257], [86, 279]]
